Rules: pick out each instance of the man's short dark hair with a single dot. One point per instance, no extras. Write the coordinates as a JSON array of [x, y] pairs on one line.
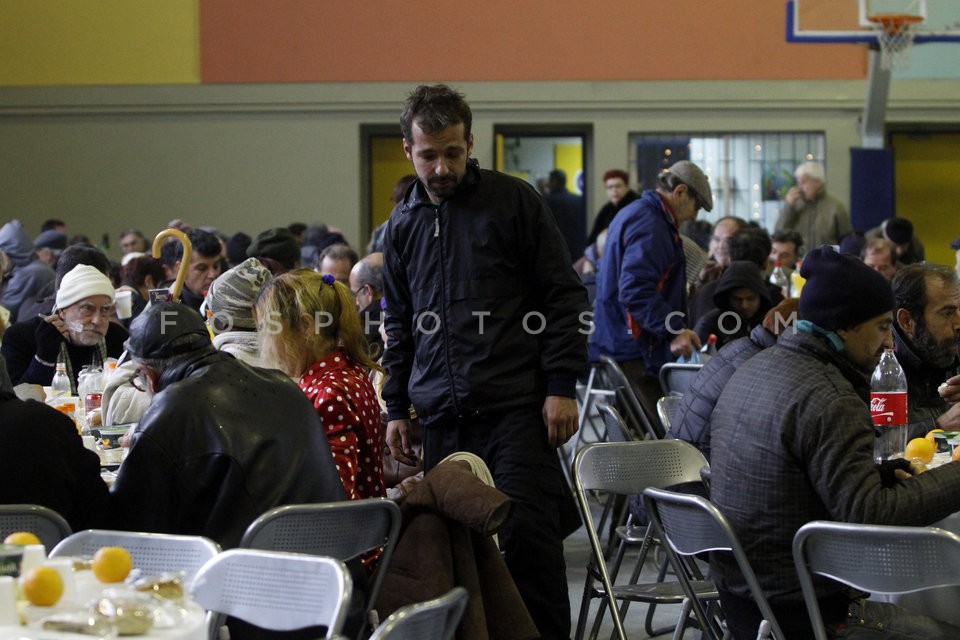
[[81, 254], [788, 236], [750, 243], [203, 242], [52, 223], [909, 286], [434, 108]]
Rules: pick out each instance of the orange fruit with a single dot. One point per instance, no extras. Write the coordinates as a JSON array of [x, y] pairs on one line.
[[931, 435], [111, 564], [956, 454], [920, 449], [21, 537], [42, 586]]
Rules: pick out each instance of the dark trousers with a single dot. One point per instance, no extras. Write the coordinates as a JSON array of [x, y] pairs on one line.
[[514, 446], [647, 387]]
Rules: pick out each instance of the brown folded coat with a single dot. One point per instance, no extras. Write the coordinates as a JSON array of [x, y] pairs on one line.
[[445, 541]]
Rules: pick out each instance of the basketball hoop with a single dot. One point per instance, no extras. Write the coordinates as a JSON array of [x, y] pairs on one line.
[[895, 33]]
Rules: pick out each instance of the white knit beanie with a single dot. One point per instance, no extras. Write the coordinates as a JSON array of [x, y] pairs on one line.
[[82, 282]]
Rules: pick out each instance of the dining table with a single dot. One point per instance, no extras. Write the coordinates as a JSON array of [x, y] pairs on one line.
[[174, 619]]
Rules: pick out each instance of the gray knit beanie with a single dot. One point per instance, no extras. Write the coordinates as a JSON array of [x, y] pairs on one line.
[[230, 297]]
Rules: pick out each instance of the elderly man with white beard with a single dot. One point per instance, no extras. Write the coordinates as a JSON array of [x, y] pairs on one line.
[[78, 332]]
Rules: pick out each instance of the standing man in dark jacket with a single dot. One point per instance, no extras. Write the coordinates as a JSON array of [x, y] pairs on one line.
[[486, 336], [222, 441]]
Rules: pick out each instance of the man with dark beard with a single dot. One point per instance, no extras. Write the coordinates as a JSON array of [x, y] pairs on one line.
[[926, 338]]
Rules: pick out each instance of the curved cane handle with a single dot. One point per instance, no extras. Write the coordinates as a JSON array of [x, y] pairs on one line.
[[184, 261]]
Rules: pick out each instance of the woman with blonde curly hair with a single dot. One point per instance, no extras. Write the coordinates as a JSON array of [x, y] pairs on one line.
[[309, 329]]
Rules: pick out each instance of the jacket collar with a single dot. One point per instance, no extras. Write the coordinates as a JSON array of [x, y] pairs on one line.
[[914, 365], [819, 347], [416, 194], [189, 366]]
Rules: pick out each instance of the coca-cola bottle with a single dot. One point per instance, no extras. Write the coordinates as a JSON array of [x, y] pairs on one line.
[[888, 406]]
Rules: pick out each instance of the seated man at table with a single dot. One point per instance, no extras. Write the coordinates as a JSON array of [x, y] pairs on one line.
[[78, 332], [792, 441], [222, 441], [926, 338], [43, 461]]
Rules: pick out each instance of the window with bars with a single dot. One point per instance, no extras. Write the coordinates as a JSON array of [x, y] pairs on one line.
[[749, 172]]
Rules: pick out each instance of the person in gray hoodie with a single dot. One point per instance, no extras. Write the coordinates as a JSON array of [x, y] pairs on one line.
[[29, 274]]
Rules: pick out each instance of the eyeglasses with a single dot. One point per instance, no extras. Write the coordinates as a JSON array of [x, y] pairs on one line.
[[357, 292], [88, 309], [139, 381]]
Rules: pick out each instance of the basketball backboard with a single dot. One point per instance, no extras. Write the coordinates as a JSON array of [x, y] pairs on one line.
[[836, 21]]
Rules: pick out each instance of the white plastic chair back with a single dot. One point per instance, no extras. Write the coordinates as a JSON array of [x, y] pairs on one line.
[[874, 558], [436, 619], [152, 553], [45, 523], [275, 590]]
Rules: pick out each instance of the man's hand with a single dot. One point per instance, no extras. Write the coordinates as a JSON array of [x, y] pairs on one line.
[[399, 442], [950, 390], [792, 194], [57, 323], [560, 417], [950, 421], [685, 343]]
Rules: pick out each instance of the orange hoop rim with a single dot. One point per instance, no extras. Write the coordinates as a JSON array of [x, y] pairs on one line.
[[894, 22]]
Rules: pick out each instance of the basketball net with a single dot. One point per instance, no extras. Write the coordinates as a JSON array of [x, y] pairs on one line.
[[895, 33]]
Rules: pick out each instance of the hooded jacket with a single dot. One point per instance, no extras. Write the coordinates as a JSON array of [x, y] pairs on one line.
[[29, 275], [484, 310], [723, 321], [221, 443]]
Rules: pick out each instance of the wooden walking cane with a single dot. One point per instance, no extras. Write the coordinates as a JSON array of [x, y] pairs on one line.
[[173, 293]]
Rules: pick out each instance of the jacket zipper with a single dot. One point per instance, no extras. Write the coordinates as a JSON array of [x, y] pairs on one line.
[[443, 311]]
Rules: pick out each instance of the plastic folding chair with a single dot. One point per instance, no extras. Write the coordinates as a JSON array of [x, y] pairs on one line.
[[875, 558], [45, 523], [436, 619], [676, 378], [342, 530], [691, 525], [152, 553], [274, 590], [667, 408], [627, 468]]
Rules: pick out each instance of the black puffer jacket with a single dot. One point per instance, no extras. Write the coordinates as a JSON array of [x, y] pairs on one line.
[[460, 279], [221, 443]]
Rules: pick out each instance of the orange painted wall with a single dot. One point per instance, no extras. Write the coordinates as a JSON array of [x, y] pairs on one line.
[[253, 41]]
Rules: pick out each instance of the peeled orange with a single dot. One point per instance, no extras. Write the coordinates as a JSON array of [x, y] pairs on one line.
[[21, 537], [920, 449], [931, 435], [111, 564], [42, 586]]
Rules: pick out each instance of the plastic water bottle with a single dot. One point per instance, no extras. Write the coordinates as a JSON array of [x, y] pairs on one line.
[[888, 406], [779, 279], [61, 383]]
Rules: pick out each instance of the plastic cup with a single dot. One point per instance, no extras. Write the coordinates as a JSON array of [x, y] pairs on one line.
[[124, 302], [90, 442], [34, 555], [8, 601]]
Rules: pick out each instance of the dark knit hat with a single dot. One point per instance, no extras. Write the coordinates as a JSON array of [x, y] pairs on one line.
[[955, 245], [50, 239], [277, 244], [165, 330], [898, 230], [841, 292]]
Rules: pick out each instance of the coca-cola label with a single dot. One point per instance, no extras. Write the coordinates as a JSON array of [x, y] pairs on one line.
[[888, 408]]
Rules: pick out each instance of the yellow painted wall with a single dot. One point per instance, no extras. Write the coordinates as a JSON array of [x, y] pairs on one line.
[[388, 165], [51, 42], [928, 191], [569, 158]]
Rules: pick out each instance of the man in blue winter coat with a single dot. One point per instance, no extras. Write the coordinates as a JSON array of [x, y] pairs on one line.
[[640, 313]]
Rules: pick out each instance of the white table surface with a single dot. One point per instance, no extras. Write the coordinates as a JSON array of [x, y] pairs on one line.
[[192, 627]]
